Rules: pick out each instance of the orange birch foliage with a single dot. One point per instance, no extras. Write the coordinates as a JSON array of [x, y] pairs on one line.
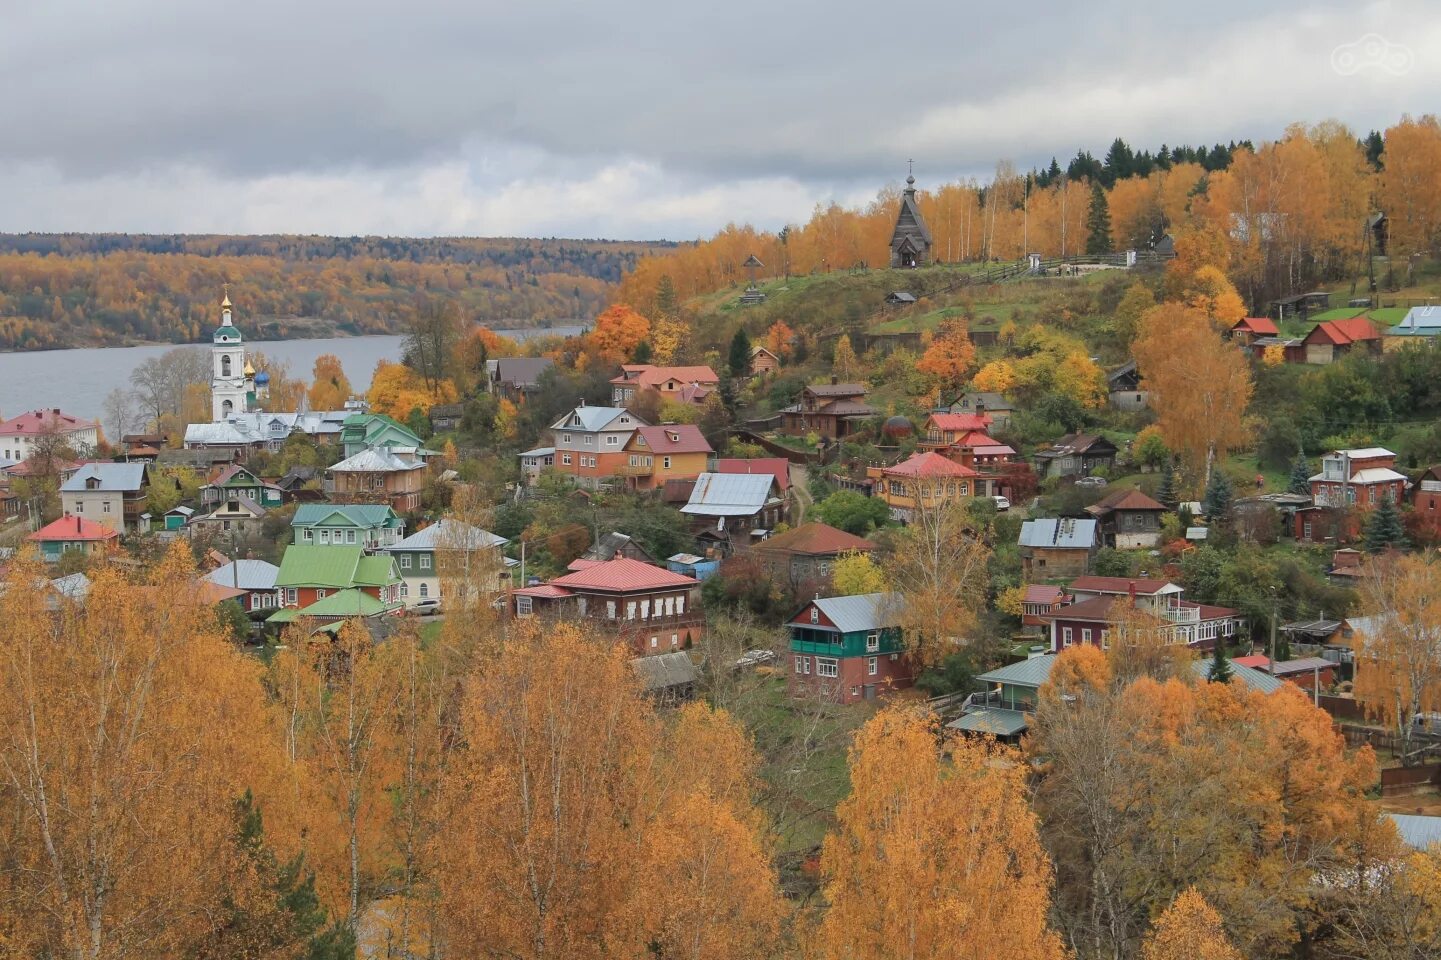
[[617, 332], [844, 362], [935, 855], [1200, 385], [951, 357], [396, 389], [1210, 292], [666, 337], [778, 339], [998, 376], [1189, 930], [1410, 187], [566, 819], [1398, 662], [939, 567], [129, 729], [330, 387]]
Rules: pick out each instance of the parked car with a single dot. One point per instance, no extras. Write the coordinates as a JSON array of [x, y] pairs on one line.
[[1002, 503], [427, 608], [754, 658], [1091, 482]]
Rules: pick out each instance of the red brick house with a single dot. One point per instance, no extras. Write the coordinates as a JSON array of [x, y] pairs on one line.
[[846, 649], [1095, 610], [653, 609], [1426, 498], [1330, 340], [1362, 477]]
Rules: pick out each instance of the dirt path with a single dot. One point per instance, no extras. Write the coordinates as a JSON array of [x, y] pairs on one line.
[[800, 483]]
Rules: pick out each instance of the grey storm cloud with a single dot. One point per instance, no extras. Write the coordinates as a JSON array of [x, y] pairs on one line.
[[425, 116]]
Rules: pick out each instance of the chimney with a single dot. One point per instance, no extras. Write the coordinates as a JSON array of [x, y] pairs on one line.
[[835, 379], [1132, 591]]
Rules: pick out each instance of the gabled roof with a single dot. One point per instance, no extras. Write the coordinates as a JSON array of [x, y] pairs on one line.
[[594, 419], [112, 477], [245, 574], [447, 534], [69, 529], [342, 603], [729, 494], [1132, 499], [35, 422], [866, 611], [610, 544], [307, 565], [816, 539], [1073, 443], [1144, 587], [1063, 533], [1043, 593], [1037, 670], [665, 670], [521, 372], [778, 467], [622, 575], [1343, 332], [671, 438], [646, 375], [367, 516], [836, 389], [377, 460], [928, 464], [1261, 326], [961, 421]]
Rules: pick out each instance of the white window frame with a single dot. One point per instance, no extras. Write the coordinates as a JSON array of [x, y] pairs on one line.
[[1065, 636], [1085, 634], [307, 535], [425, 561], [523, 606], [873, 641], [828, 667], [815, 615], [290, 595], [405, 561], [565, 459], [872, 666], [665, 462]]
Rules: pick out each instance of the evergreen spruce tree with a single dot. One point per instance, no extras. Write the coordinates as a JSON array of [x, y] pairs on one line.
[[1098, 221], [1221, 671], [1300, 475], [665, 300], [1384, 528], [1217, 501], [1166, 493], [642, 353], [740, 354]]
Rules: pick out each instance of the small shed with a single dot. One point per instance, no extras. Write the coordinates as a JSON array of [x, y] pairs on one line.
[[900, 298], [668, 678], [692, 566]]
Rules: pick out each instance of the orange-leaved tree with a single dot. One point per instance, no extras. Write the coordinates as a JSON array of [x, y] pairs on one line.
[[1398, 657], [935, 852], [951, 357], [1190, 929], [330, 387], [1199, 384], [130, 729], [617, 332]]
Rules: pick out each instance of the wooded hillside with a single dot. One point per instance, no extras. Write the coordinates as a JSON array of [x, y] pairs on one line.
[[64, 290]]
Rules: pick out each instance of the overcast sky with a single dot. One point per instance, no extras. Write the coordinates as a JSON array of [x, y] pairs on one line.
[[635, 119]]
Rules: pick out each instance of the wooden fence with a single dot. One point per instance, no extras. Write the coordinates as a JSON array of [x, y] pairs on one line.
[[1402, 780]]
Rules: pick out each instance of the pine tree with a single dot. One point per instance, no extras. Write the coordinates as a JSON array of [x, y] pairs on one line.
[[740, 354], [642, 353], [665, 296], [1384, 529], [1217, 501], [1098, 221], [1300, 475], [1221, 671], [1166, 494]]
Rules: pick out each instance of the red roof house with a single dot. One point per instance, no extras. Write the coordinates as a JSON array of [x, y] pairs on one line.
[[808, 552], [649, 607], [71, 533], [1329, 340], [1248, 329], [669, 382]]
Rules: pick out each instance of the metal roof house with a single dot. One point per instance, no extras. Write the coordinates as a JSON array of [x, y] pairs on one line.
[[732, 509], [1061, 547], [845, 649]]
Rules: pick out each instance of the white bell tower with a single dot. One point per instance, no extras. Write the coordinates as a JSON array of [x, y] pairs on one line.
[[229, 381]]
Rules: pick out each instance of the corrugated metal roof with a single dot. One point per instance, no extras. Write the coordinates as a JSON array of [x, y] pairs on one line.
[[365, 515], [376, 460], [1064, 533], [665, 670], [245, 574], [117, 477], [993, 720], [1037, 670], [450, 534], [1417, 831], [729, 494], [867, 611], [306, 565], [592, 419]]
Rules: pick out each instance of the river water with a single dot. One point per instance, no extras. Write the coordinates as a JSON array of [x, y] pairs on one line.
[[77, 381]]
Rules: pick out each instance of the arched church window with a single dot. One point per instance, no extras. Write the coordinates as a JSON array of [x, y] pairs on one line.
[[225, 366], [226, 408]]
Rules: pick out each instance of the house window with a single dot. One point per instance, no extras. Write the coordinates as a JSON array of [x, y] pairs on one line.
[[405, 561], [680, 604], [404, 589], [523, 606], [873, 642], [289, 594], [1085, 634], [665, 462], [565, 459], [350, 536], [306, 535], [630, 610], [425, 561], [872, 665], [566, 441], [424, 591], [589, 440], [654, 642], [325, 536], [674, 640], [611, 440], [1066, 636], [815, 615], [610, 609], [828, 667], [320, 594], [806, 665], [645, 610], [670, 606]]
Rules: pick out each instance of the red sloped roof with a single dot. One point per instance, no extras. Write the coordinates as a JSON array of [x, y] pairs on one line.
[[817, 538], [69, 528], [962, 421], [1043, 593], [1118, 585], [928, 465], [544, 591], [778, 467], [1263, 326], [645, 375], [1341, 332], [622, 574], [688, 438], [32, 422]]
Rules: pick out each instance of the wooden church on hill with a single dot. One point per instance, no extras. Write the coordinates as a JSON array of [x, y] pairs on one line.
[[911, 241]]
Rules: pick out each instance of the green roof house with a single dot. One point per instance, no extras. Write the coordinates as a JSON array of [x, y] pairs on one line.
[[310, 574], [374, 525], [361, 431]]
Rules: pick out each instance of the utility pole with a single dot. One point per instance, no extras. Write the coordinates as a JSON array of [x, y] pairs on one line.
[[1271, 660]]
